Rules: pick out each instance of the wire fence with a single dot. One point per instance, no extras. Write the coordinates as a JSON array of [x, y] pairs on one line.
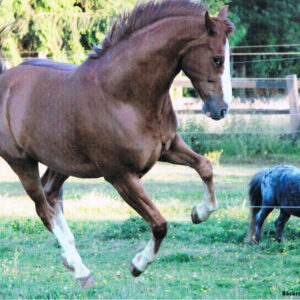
[[268, 206], [237, 133], [264, 60], [264, 53], [266, 46]]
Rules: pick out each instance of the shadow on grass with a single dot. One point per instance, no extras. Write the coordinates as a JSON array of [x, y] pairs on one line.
[[26, 232]]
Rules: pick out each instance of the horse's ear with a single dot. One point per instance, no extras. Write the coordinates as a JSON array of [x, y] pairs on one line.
[[210, 24], [223, 13]]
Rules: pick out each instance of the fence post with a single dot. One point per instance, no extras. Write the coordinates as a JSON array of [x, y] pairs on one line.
[[292, 92]]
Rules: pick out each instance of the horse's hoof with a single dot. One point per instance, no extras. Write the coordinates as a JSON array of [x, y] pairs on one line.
[[251, 243], [134, 271], [195, 218], [254, 242], [86, 282], [66, 264]]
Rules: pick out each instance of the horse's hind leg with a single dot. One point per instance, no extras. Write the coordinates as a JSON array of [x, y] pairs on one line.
[[47, 178], [260, 218], [180, 153], [27, 170], [52, 182], [251, 233], [280, 223], [132, 191]]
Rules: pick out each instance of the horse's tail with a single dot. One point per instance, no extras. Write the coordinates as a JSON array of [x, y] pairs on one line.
[[255, 198]]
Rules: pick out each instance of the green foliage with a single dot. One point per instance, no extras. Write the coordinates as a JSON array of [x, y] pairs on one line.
[[62, 30], [267, 22], [215, 6], [238, 37], [248, 143], [27, 225]]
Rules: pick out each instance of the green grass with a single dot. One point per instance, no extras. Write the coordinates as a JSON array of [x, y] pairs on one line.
[[209, 260]]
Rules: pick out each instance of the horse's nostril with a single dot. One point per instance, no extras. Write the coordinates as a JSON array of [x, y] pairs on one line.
[[223, 113]]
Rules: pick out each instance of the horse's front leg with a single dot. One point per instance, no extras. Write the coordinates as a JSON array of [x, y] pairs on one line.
[[180, 153], [132, 191]]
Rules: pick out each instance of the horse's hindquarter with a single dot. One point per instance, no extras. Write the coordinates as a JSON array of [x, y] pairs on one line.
[[39, 115]]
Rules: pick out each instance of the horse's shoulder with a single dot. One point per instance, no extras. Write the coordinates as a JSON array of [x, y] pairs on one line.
[[48, 63]]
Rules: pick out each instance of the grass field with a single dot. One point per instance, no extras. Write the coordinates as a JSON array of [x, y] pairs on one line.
[[209, 260]]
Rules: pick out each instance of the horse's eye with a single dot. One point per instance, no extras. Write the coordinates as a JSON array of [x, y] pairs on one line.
[[218, 61]]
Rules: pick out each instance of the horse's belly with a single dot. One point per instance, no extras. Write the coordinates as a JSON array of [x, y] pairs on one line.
[[76, 169], [296, 212], [84, 172], [292, 211]]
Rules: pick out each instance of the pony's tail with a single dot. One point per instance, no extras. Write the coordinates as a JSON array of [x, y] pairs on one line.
[[255, 199]]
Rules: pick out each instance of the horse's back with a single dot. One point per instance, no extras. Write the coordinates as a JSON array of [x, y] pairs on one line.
[[48, 63], [281, 186]]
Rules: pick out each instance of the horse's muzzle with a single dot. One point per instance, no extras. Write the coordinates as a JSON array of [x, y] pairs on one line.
[[215, 110]]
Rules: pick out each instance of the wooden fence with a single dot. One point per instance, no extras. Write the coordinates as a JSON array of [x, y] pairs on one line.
[[291, 84]]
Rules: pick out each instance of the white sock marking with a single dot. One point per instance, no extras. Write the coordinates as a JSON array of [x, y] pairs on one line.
[[65, 228], [225, 78], [70, 253], [205, 208], [144, 258]]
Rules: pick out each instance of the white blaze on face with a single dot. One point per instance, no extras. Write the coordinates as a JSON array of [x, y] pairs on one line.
[[225, 78]]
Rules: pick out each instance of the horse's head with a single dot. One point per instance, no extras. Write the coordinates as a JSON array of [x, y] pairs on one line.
[[206, 62]]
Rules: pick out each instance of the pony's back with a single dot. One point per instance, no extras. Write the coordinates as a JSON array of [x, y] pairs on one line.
[[255, 198]]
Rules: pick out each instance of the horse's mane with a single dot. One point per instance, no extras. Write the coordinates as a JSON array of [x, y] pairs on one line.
[[145, 14]]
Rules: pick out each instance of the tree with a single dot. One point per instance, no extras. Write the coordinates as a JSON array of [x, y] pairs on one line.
[[61, 29], [268, 22]]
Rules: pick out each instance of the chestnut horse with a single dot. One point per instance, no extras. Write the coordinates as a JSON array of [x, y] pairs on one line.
[[112, 116]]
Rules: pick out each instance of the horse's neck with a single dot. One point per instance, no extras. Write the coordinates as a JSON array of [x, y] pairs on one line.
[[145, 64]]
